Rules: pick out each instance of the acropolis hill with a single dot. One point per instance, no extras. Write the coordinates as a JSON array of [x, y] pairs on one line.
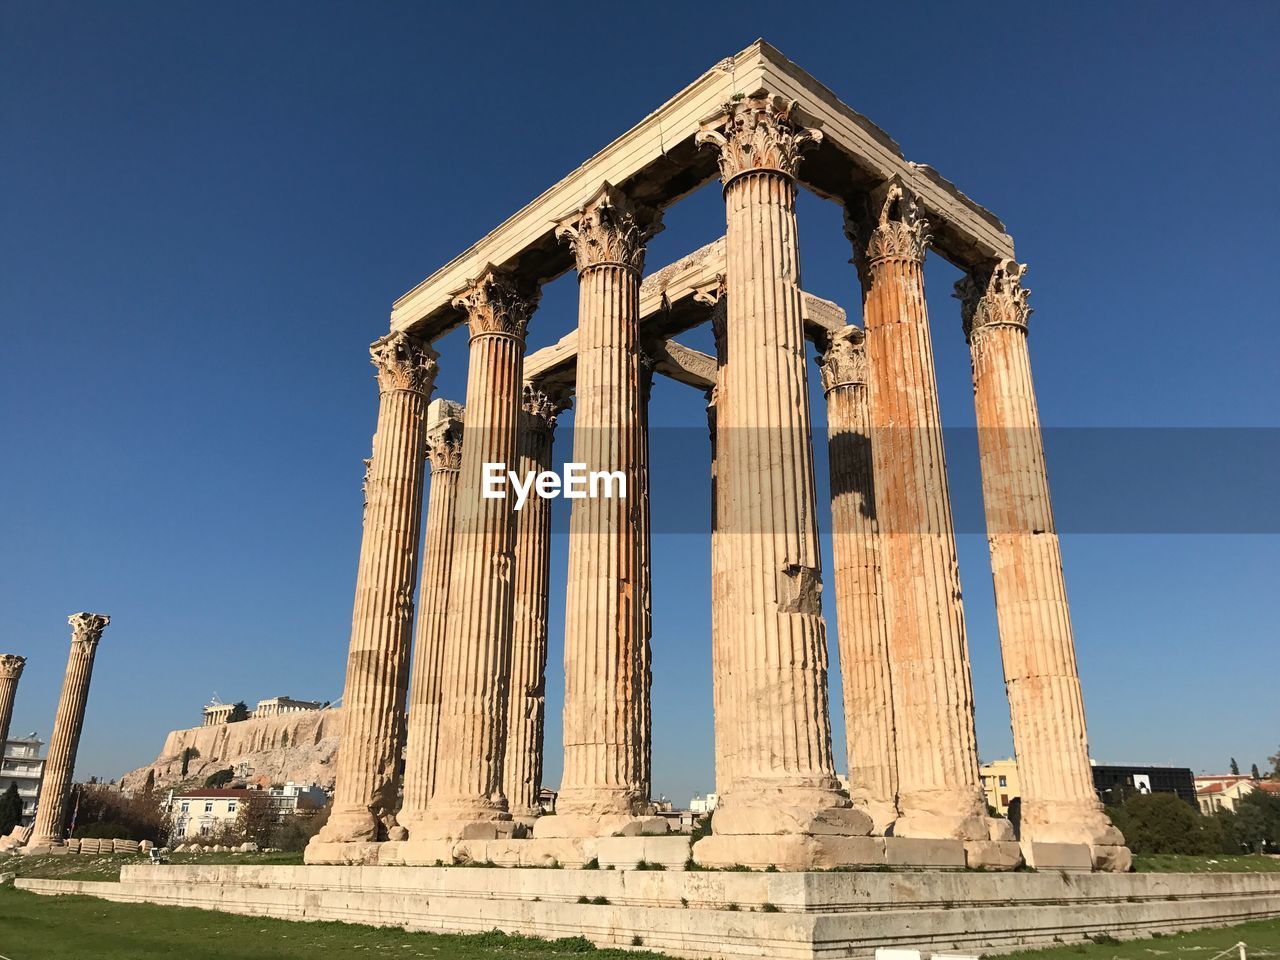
[[300, 746]]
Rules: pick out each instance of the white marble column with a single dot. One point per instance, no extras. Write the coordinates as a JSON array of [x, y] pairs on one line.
[[468, 802], [367, 779], [526, 705], [1046, 707], [64, 742], [444, 453], [939, 792], [605, 788], [863, 639], [784, 788]]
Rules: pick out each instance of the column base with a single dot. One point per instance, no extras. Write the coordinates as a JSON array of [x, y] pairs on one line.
[[883, 814], [769, 808], [606, 825], [1068, 823], [357, 825]]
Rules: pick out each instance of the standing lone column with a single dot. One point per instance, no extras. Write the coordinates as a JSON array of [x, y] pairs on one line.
[[468, 801], [939, 791], [526, 706], [863, 640], [10, 673], [373, 699], [606, 735], [444, 452], [784, 785], [55, 791], [1059, 804]]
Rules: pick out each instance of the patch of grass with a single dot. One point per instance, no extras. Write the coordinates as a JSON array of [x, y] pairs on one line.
[[1218, 863], [768, 907], [592, 864], [107, 866], [57, 928], [1262, 938], [646, 865]]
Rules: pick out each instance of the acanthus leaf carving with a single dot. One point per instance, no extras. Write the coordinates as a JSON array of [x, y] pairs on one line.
[[11, 666], [403, 362], [496, 304], [891, 227], [609, 229], [758, 132], [444, 445], [999, 299], [843, 362], [87, 627], [541, 405]]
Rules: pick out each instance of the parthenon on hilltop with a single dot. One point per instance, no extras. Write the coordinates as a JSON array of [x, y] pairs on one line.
[[473, 687]]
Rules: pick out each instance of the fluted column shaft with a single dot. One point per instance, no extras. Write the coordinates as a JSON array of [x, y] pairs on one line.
[[10, 673], [55, 789], [477, 652], [373, 699], [1045, 702], [606, 735], [444, 453], [939, 791], [863, 638], [775, 639], [526, 706]]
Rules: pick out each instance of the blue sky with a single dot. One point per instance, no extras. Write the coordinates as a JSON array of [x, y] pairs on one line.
[[208, 210]]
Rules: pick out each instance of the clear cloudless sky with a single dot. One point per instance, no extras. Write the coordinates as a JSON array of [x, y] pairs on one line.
[[208, 209]]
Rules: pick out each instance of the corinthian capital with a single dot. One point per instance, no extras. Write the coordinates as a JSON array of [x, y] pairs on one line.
[[609, 229], [495, 304], [994, 299], [844, 360], [87, 627], [890, 228], [758, 132], [540, 405], [11, 666], [403, 362]]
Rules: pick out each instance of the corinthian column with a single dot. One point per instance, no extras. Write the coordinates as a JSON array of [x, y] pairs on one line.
[[10, 673], [606, 734], [468, 802], [526, 705], [373, 699], [55, 790], [444, 453], [863, 641], [1045, 704], [775, 640], [939, 792]]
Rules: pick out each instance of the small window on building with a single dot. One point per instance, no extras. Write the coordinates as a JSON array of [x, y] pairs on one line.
[[231, 806], [1004, 781], [208, 806], [186, 807]]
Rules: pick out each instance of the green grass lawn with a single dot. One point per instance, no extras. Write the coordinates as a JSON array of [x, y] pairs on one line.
[[33, 927], [1218, 863], [1261, 939]]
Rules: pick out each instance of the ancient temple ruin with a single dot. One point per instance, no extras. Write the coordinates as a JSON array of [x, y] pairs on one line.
[[477, 657]]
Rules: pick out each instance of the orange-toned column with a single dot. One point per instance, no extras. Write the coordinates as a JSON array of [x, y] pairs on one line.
[[468, 802], [444, 453], [526, 705], [605, 788], [939, 791], [1059, 804], [55, 789], [784, 801], [373, 700], [863, 639]]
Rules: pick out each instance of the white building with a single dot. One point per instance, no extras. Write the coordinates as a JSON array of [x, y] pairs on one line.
[[22, 764], [209, 810], [699, 806]]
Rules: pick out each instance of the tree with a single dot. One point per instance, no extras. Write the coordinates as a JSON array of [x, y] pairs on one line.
[[238, 713], [1251, 827], [188, 755], [1253, 772], [10, 810], [1164, 823], [220, 779], [1274, 760], [255, 821], [1235, 768]]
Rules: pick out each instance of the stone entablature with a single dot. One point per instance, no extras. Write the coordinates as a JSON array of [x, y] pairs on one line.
[[275, 706]]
